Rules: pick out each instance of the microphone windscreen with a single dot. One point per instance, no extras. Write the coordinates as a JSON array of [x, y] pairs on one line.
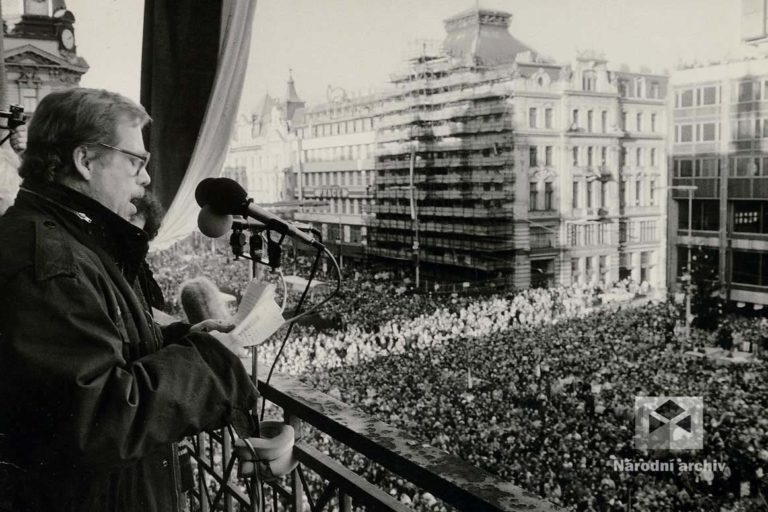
[[202, 192], [212, 224], [201, 300], [225, 196]]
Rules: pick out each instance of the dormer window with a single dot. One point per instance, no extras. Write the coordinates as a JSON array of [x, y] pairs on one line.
[[588, 80], [639, 87]]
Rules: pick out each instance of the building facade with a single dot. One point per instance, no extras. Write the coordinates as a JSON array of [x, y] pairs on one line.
[[483, 160], [507, 163], [719, 144], [334, 169]]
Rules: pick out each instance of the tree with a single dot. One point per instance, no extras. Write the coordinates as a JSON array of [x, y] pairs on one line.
[[706, 304]]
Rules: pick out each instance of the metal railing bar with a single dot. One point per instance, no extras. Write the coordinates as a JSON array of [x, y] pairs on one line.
[[351, 483], [305, 486], [326, 496], [233, 490], [443, 475]]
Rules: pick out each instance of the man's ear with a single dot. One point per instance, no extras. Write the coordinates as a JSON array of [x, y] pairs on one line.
[[83, 162]]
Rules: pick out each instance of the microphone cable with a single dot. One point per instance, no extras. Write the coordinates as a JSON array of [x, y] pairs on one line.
[[298, 315]]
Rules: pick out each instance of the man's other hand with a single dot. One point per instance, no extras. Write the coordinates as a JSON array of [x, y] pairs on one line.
[[212, 325]]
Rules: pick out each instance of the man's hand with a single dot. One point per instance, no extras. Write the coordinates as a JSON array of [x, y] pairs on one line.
[[231, 341], [212, 325]]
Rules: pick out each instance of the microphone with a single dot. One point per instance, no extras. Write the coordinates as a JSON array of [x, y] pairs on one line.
[[222, 197]]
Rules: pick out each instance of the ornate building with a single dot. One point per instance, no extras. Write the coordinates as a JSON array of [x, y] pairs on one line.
[[40, 56]]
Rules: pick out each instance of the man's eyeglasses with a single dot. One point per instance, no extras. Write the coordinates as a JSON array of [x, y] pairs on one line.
[[144, 159]]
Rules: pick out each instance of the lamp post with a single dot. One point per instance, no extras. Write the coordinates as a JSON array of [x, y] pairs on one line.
[[690, 189]]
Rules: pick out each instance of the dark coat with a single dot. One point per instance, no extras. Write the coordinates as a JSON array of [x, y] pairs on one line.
[[92, 398]]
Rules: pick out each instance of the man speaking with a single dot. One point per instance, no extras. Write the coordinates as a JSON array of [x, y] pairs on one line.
[[93, 395]]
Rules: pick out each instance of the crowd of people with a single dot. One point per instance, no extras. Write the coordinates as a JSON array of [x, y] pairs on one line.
[[536, 386]]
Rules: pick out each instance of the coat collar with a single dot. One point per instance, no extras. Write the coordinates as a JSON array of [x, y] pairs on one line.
[[123, 241]]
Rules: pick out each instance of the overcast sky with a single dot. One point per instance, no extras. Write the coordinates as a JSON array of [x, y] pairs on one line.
[[357, 44]]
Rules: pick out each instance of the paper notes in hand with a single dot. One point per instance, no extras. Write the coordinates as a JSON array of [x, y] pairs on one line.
[[258, 316]]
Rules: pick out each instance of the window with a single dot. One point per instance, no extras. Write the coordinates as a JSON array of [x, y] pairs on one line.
[[747, 268], [638, 192], [744, 166], [622, 157], [750, 216], [589, 268], [684, 168], [603, 267], [575, 155], [653, 157], [575, 194], [645, 266], [548, 195], [705, 217], [746, 91], [575, 268], [686, 98], [709, 95], [532, 118], [654, 91], [542, 273], [548, 118], [534, 196], [623, 88], [684, 133], [639, 87], [575, 118], [623, 192], [532, 159], [603, 194], [648, 231], [29, 99], [548, 156], [603, 156], [590, 120], [604, 121], [624, 121], [708, 132], [588, 80], [652, 193], [639, 121], [590, 156], [590, 199], [639, 157], [709, 167], [743, 129], [653, 123]]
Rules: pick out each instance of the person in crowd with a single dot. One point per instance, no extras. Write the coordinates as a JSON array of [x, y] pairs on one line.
[[94, 396]]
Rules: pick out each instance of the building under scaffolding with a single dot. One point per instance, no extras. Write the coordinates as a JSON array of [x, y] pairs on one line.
[[485, 160], [494, 161], [444, 185]]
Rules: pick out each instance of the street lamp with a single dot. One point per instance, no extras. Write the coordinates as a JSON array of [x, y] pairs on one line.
[[690, 189]]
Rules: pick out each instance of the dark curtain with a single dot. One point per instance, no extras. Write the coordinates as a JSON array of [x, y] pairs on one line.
[[179, 57]]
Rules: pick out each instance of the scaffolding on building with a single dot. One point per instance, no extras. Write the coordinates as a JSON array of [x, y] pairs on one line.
[[445, 167]]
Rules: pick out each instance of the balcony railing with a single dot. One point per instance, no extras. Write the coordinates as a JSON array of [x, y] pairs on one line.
[[445, 476]]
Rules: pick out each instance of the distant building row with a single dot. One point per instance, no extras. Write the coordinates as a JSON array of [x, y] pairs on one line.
[[485, 160]]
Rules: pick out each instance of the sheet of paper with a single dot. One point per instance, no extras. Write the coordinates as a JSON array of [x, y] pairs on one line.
[[258, 315], [253, 293]]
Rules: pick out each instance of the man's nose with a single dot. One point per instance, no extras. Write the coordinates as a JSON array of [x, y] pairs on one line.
[[143, 177]]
